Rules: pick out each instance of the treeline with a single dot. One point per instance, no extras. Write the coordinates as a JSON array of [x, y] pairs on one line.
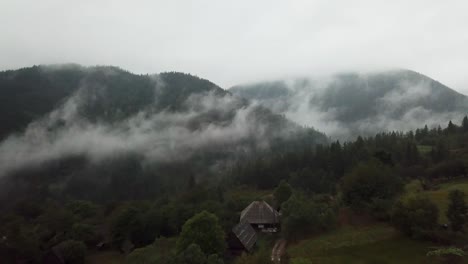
[[368, 174], [424, 153]]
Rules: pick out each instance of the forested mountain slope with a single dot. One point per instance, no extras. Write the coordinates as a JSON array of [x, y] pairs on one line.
[[124, 135], [348, 104]]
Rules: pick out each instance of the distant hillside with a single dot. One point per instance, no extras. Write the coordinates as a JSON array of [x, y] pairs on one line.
[[349, 104], [106, 93], [108, 130]]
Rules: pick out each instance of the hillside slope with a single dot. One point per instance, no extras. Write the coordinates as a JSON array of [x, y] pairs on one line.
[[93, 127], [345, 105]]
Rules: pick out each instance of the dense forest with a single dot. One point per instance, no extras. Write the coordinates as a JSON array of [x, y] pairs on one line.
[[356, 103], [175, 160], [366, 175]]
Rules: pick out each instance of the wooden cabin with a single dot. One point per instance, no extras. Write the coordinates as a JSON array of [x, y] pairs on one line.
[[261, 216]]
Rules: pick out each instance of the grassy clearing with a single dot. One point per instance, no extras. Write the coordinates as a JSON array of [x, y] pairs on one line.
[[343, 237], [439, 196], [424, 149], [371, 244], [378, 243]]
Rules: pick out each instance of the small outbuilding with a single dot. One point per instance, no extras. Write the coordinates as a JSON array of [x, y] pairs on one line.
[[261, 216], [242, 238]]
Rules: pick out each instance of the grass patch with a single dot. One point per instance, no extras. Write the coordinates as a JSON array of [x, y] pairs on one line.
[[343, 237], [424, 149], [378, 243], [440, 196], [396, 250], [371, 244]]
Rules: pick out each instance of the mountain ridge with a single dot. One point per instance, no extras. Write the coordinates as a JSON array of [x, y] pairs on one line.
[[342, 104], [103, 124]]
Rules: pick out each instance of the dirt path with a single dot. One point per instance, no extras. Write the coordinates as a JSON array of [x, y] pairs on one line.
[[278, 251]]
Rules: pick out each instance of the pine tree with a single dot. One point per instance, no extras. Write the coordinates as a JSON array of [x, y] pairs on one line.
[[457, 210], [451, 128], [465, 124], [282, 193], [425, 131]]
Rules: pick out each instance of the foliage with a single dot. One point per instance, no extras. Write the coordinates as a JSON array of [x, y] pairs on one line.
[[85, 233], [191, 255], [457, 210], [214, 259], [446, 251], [204, 230], [282, 193], [310, 181], [71, 198], [301, 216], [82, 209], [194, 255], [369, 183], [73, 252], [448, 255], [19, 238], [416, 217], [262, 256], [161, 251], [138, 222]]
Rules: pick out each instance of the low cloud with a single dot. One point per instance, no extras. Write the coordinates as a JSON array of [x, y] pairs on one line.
[[156, 136], [344, 108]]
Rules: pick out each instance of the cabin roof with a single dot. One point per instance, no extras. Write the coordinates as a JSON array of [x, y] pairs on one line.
[[259, 212], [246, 235]]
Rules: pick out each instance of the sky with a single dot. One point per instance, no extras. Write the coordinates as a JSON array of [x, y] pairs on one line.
[[232, 42]]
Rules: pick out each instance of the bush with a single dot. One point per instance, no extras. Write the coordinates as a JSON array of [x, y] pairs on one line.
[[417, 217], [457, 210], [82, 209], [204, 230], [72, 251], [447, 255], [85, 233], [282, 193], [368, 183]]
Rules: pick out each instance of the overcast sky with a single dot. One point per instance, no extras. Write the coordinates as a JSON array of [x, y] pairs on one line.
[[231, 42]]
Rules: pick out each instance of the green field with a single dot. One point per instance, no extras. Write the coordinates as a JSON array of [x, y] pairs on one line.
[[438, 196], [371, 244], [424, 149], [378, 243]]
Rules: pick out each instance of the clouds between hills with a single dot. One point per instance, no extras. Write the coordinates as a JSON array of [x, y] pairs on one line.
[[343, 112], [156, 136]]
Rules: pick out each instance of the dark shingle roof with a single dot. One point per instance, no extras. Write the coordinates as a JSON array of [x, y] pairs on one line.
[[246, 234], [259, 212]]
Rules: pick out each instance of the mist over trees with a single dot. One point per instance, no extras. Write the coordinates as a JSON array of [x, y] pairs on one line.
[[346, 105], [158, 168]]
